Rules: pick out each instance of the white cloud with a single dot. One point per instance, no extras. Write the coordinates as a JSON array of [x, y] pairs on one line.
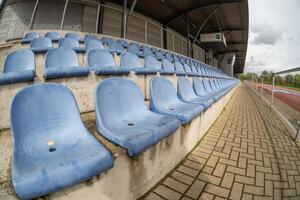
[[274, 38], [265, 34]]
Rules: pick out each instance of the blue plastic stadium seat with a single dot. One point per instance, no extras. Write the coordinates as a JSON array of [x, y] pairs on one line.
[[135, 50], [159, 56], [19, 66], [200, 90], [123, 118], [123, 43], [53, 36], [151, 62], [71, 43], [195, 70], [102, 62], [169, 56], [186, 93], [132, 61], [210, 91], [179, 69], [147, 51], [91, 44], [28, 37], [90, 36], [106, 40], [188, 70], [135, 44], [52, 149], [167, 67], [41, 45], [75, 36], [164, 100], [63, 62], [115, 47]]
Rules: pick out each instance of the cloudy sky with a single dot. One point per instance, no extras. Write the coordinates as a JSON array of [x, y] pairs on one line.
[[274, 35]]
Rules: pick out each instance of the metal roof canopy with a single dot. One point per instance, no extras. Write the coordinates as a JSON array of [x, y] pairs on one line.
[[229, 16]]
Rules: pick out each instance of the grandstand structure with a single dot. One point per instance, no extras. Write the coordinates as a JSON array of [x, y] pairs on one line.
[[102, 99]]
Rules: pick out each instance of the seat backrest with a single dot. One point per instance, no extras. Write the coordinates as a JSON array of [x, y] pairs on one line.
[[187, 68], [207, 86], [185, 89], [133, 49], [147, 51], [61, 57], [53, 35], [106, 40], [167, 65], [175, 58], [169, 56], [163, 93], [93, 44], [159, 55], [19, 60], [118, 99], [199, 87], [31, 35], [134, 44], [114, 46], [130, 60], [152, 62], [194, 69], [41, 42], [100, 58], [89, 37], [68, 43], [58, 116], [75, 36], [123, 43], [179, 67]]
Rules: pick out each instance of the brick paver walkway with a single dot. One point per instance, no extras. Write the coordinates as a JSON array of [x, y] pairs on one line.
[[247, 154]]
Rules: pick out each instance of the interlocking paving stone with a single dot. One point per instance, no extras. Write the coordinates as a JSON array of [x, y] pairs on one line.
[[246, 154]]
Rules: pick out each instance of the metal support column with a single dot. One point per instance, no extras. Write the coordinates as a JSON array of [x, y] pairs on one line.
[[165, 46], [272, 97], [173, 42], [262, 86], [100, 16], [187, 35], [146, 30], [124, 20]]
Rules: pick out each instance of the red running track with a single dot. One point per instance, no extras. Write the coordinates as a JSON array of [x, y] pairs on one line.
[[291, 99]]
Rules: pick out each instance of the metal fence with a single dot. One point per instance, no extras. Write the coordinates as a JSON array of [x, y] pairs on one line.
[[283, 100]]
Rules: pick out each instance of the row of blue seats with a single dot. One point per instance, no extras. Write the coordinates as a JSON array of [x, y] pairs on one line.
[[71, 40], [54, 150], [19, 65]]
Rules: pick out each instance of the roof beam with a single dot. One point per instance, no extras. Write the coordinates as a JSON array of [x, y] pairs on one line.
[[207, 18], [202, 6]]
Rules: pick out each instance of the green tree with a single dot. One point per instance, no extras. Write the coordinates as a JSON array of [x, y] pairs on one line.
[[278, 79], [297, 80], [289, 79]]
